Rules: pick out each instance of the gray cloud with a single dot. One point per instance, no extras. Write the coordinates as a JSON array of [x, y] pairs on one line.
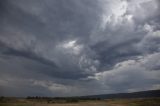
[[132, 75], [83, 47]]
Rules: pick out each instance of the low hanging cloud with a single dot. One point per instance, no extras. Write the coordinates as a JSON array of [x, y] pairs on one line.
[[132, 75], [66, 48]]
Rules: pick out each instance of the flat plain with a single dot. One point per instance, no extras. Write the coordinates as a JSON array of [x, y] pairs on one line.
[[108, 102]]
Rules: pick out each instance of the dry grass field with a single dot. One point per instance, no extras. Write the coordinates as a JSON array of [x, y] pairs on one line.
[[91, 103], [111, 102], [134, 102]]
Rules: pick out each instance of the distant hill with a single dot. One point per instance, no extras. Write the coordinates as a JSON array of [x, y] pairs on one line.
[[141, 94]]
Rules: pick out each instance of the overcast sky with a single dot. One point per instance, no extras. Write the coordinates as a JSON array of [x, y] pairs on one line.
[[79, 47]]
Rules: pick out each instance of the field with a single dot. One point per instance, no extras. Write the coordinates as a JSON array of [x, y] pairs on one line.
[[109, 102]]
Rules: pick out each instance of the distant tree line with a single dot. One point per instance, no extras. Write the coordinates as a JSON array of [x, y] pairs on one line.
[[7, 99], [61, 99], [2, 98]]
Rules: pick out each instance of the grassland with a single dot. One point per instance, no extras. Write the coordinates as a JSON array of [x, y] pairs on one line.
[[109, 102], [134, 102]]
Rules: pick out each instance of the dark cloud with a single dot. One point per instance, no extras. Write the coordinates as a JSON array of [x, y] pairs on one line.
[[55, 47], [5, 50]]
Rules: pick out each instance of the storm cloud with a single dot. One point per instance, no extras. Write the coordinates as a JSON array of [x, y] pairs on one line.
[[73, 47]]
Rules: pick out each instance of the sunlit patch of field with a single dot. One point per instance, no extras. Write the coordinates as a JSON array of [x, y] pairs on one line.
[[134, 102]]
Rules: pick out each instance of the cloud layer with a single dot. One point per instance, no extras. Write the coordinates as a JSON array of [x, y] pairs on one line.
[[72, 47]]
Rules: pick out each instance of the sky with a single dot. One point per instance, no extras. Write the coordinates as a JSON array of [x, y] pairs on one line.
[[79, 47]]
